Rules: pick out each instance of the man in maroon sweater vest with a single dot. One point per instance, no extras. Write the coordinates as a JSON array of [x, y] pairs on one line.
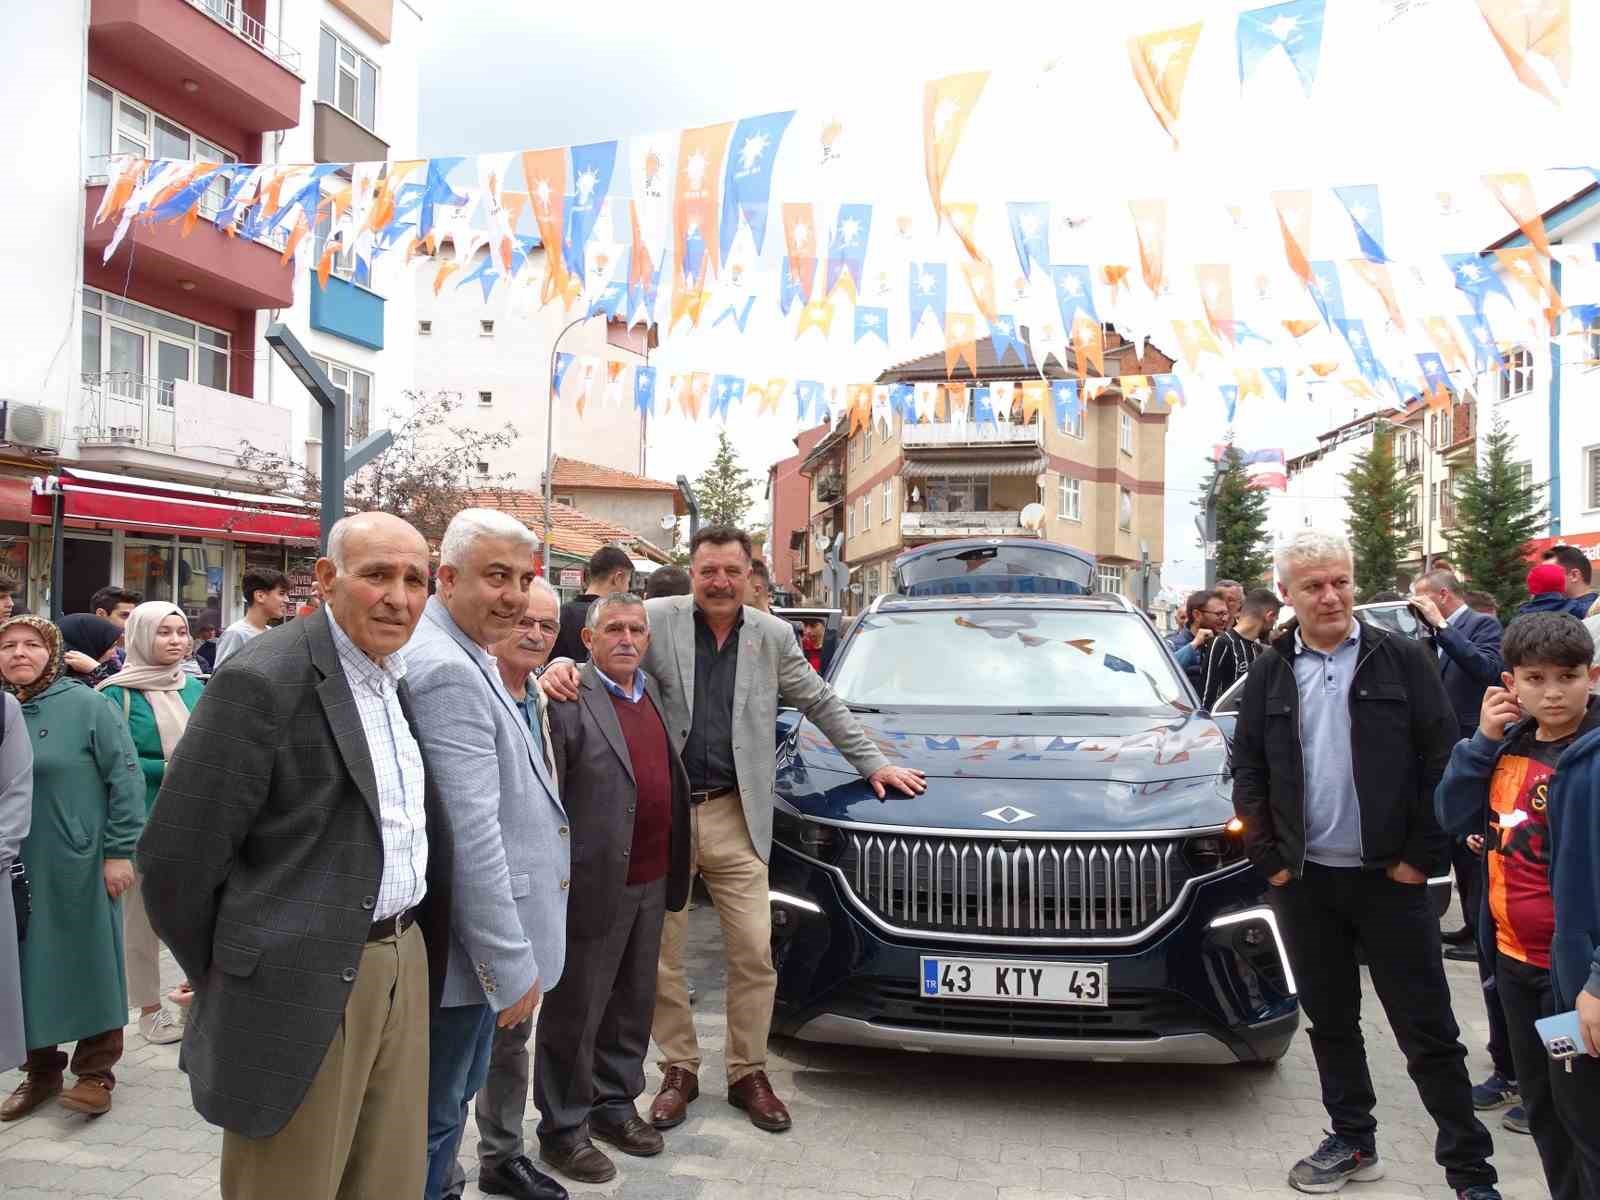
[[627, 797]]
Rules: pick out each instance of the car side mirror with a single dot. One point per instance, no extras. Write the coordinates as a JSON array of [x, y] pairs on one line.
[[788, 722], [1228, 722]]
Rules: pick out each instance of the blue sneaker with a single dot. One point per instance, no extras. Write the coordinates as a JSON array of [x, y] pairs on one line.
[[1332, 1165], [1495, 1092], [1483, 1191], [1516, 1120]]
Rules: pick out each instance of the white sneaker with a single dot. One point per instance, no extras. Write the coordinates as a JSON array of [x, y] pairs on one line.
[[160, 1028]]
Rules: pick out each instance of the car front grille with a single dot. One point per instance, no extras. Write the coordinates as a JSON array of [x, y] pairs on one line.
[[1129, 1014], [997, 886]]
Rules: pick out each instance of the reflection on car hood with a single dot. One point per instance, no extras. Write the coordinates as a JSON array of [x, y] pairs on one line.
[[1068, 772]]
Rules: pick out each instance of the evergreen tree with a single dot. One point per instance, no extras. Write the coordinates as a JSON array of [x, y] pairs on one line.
[[1244, 551], [1497, 514], [1378, 501], [723, 489]]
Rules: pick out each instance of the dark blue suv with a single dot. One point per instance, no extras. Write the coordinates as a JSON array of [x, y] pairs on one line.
[[1071, 885]]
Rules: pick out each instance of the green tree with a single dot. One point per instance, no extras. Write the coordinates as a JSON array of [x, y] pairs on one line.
[[1497, 514], [723, 488], [1378, 502], [1244, 551]]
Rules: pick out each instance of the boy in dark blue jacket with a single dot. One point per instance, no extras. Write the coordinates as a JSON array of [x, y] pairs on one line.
[[1529, 782]]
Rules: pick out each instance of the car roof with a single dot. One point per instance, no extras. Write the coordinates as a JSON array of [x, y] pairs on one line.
[[1001, 600]]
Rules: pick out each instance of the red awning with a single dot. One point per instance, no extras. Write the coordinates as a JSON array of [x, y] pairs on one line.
[[109, 502], [16, 501], [1589, 543]]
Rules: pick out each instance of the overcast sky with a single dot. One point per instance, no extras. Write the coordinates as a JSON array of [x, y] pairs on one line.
[[1412, 95]]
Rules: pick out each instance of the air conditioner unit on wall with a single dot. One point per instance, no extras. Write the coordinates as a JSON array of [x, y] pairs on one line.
[[32, 425]]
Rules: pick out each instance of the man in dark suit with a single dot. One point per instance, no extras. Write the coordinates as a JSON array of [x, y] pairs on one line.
[[627, 797], [609, 570], [297, 862]]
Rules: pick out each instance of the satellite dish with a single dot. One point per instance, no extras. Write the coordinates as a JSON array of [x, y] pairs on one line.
[[820, 541], [668, 521], [1032, 517]]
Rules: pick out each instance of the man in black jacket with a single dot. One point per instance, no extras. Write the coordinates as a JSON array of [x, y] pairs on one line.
[[1343, 735], [609, 570]]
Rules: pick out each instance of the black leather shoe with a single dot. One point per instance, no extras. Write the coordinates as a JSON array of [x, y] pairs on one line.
[[633, 1136], [520, 1178], [582, 1161], [1459, 937], [1461, 953]]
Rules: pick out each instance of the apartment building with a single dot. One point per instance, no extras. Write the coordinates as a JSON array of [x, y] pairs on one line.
[[789, 494], [1099, 480], [817, 574], [136, 380]]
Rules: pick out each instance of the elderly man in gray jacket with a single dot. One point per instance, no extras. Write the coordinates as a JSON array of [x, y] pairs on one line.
[[512, 853], [723, 668]]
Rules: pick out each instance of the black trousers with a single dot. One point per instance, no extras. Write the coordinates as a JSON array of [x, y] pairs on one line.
[[1563, 1107], [1323, 916], [1499, 1046]]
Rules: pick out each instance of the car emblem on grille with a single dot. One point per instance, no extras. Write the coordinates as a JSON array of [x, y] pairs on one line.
[[1010, 815]]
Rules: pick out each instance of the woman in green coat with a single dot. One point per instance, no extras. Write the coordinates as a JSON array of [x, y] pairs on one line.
[[155, 696], [88, 812]]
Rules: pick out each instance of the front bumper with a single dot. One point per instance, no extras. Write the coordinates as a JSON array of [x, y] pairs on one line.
[[1209, 986]]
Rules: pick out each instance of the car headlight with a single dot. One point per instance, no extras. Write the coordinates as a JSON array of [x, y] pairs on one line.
[[808, 838], [1209, 852]]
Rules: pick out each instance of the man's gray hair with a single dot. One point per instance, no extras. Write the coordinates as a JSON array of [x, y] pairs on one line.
[[470, 525], [597, 610], [1310, 546], [1443, 581], [541, 584]]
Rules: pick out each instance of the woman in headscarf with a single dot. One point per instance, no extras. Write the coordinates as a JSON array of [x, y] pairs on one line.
[[88, 644], [155, 696], [88, 812], [16, 815]]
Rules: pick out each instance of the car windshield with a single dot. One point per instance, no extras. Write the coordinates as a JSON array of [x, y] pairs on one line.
[[1010, 660]]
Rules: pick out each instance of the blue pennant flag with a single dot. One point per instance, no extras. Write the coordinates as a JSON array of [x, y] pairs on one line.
[[1294, 27], [1354, 333], [790, 289], [1435, 378], [1067, 402], [228, 212], [563, 361], [748, 186], [610, 301], [928, 289], [1361, 201], [725, 389], [1585, 317], [808, 399], [872, 322], [1485, 353], [694, 255], [1230, 399], [1326, 291], [437, 191], [591, 182], [1030, 231], [1279, 379], [486, 276], [1074, 287], [1005, 337], [982, 410], [1169, 390], [847, 248], [1243, 333], [1476, 278], [644, 390], [903, 401], [307, 198], [186, 197], [740, 313]]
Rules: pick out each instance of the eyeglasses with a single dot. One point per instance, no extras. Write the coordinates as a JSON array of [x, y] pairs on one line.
[[549, 628]]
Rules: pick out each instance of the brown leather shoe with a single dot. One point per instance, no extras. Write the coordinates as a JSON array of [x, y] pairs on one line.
[[680, 1087], [92, 1097], [582, 1161], [33, 1091], [754, 1094], [631, 1136]]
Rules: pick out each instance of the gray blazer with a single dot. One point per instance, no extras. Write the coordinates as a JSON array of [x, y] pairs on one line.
[[512, 848], [260, 866], [597, 786], [771, 669]]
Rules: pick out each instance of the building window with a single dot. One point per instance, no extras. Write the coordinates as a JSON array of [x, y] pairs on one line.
[[1524, 472], [850, 515], [483, 467], [866, 442], [567, 500], [344, 258], [424, 328], [486, 328], [356, 388], [114, 124], [1071, 499], [1074, 425], [1516, 379], [1125, 432], [953, 494], [866, 520], [347, 80], [1433, 501], [1124, 509], [1108, 579], [132, 345], [485, 399], [1592, 456]]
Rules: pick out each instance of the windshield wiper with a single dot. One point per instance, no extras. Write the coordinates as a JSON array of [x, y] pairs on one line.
[[1051, 712], [866, 708]]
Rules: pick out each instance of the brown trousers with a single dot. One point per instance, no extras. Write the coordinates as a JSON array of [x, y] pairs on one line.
[[92, 1058], [362, 1129]]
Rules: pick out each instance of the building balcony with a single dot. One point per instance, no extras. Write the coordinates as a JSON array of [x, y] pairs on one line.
[[238, 67], [829, 489], [1447, 515], [931, 526], [337, 138], [231, 270], [1463, 438], [347, 310], [176, 430], [1412, 464], [947, 435]]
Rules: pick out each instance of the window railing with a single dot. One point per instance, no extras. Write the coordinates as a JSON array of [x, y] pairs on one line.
[[230, 15], [120, 408]]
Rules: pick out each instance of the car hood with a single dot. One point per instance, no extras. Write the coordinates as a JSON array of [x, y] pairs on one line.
[[1039, 773]]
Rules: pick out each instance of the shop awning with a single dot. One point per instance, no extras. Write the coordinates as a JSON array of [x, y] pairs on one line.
[[125, 502], [981, 466], [16, 502], [1589, 543]]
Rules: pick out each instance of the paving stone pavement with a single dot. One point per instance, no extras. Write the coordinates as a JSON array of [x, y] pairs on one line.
[[867, 1124]]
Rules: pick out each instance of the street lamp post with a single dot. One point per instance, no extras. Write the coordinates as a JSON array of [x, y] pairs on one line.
[[550, 435]]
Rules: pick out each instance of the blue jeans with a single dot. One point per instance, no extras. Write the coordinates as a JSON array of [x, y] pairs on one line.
[[458, 1063]]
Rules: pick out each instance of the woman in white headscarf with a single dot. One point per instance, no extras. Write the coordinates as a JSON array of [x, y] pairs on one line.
[[155, 695]]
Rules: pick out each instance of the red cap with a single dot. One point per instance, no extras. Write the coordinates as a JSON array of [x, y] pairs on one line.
[[1547, 577]]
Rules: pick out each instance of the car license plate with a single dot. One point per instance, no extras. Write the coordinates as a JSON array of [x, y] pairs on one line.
[[1020, 979]]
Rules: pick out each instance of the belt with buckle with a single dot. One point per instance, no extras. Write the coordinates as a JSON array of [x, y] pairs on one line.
[[392, 926], [698, 798]]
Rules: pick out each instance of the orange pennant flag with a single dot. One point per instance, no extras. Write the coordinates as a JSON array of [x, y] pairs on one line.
[[859, 406], [301, 228], [1088, 345], [1361, 389], [696, 202], [1523, 264], [1216, 296], [1294, 222], [1116, 278], [980, 278], [772, 394], [1299, 328], [1250, 383], [545, 172], [800, 238], [816, 314], [1446, 343], [946, 105], [964, 220], [446, 269], [686, 302], [694, 396], [1515, 193], [949, 400], [1035, 400], [960, 342], [1137, 389], [1536, 38], [1325, 368], [119, 190], [1160, 66], [1194, 339], [1377, 277], [1150, 224]]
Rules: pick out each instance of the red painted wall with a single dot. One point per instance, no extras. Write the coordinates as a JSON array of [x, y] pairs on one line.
[[790, 504]]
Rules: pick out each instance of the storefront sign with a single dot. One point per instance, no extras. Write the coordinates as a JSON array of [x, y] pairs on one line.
[[571, 577]]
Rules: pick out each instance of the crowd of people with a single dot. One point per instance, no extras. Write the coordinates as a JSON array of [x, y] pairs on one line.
[[382, 838]]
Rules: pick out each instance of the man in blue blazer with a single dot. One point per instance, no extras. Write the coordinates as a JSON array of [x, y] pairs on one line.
[[1468, 642]]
